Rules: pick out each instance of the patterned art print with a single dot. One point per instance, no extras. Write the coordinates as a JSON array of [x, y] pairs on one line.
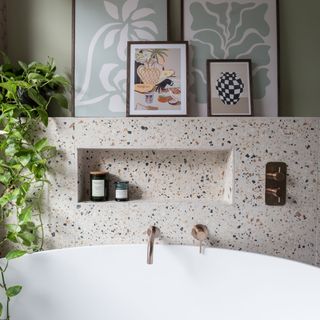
[[229, 88], [102, 29], [237, 29], [157, 79]]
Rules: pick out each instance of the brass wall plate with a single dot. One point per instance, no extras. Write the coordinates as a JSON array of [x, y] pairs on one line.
[[276, 184]]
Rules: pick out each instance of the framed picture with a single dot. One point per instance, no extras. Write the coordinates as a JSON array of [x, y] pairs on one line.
[[101, 32], [233, 29], [157, 79], [229, 88]]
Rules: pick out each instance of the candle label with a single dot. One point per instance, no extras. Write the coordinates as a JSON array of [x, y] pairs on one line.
[[121, 194], [98, 188]]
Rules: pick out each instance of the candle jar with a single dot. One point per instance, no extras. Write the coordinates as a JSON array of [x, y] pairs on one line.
[[122, 191], [98, 186]]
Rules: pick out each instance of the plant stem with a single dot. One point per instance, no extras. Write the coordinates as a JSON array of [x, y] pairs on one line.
[[4, 286]]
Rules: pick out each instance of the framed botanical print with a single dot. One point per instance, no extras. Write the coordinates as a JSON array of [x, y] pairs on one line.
[[102, 29], [157, 79], [229, 88], [233, 29]]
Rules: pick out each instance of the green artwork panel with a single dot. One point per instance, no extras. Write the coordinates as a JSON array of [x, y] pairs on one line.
[[102, 30], [234, 29]]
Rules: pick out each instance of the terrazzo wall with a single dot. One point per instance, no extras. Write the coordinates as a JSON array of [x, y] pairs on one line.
[[242, 223], [3, 25], [160, 174]]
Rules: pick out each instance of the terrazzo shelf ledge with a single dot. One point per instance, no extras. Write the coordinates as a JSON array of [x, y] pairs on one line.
[[161, 174]]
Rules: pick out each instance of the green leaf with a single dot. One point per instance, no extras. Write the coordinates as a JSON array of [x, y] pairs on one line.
[[44, 117], [5, 178], [23, 66], [9, 197], [25, 215], [61, 81], [41, 144], [27, 237], [25, 159], [61, 99], [16, 134], [39, 171], [36, 66], [11, 149], [49, 152], [36, 97], [35, 76], [1, 309], [13, 291], [29, 226], [25, 187], [12, 236], [13, 228], [9, 86], [14, 254]]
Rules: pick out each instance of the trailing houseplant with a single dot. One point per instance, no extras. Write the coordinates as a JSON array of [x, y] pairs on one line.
[[26, 91]]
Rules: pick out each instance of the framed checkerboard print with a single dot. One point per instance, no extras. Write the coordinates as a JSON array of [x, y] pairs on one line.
[[229, 88], [233, 29]]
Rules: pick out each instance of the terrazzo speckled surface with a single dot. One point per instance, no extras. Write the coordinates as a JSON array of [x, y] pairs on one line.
[[246, 224], [160, 174]]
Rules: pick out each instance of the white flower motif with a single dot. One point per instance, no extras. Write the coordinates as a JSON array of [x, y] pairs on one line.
[[126, 23], [142, 56], [128, 20]]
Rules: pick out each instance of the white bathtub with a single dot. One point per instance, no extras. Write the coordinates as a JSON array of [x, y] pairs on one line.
[[115, 283]]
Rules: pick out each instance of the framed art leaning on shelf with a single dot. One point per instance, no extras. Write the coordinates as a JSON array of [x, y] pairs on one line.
[[101, 32], [157, 79], [229, 88], [233, 29]]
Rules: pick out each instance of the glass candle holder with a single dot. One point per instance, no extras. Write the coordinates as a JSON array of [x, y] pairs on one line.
[[98, 186], [122, 191]]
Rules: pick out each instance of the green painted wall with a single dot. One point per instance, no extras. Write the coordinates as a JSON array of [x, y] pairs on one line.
[[300, 58], [41, 28], [38, 29]]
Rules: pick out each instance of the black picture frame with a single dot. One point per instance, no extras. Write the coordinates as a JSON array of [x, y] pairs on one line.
[[184, 112], [229, 96]]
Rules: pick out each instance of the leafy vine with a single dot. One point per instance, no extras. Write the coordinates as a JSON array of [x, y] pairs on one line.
[[26, 91]]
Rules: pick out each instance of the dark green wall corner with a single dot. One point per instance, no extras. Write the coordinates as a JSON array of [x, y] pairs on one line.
[[299, 58]]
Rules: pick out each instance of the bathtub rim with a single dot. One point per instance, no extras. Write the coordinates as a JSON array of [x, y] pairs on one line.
[[176, 246]]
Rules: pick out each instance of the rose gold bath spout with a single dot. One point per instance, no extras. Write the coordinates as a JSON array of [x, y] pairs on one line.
[[153, 232]]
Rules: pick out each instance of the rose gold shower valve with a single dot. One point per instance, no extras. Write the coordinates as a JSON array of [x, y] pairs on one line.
[[276, 184]]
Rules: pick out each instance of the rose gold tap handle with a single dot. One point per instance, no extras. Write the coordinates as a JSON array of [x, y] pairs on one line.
[[276, 176], [276, 192], [200, 232]]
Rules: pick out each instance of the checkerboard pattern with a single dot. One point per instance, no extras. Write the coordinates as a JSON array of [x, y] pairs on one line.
[[229, 87]]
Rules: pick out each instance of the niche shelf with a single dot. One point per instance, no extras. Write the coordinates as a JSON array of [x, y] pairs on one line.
[[161, 174]]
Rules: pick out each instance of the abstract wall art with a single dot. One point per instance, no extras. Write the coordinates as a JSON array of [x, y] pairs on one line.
[[237, 29], [157, 79], [229, 88], [102, 30]]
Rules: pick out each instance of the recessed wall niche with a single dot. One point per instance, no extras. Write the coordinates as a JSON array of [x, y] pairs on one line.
[[161, 174]]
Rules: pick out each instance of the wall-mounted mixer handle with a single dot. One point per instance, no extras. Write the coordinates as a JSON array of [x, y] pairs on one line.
[[276, 176]]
